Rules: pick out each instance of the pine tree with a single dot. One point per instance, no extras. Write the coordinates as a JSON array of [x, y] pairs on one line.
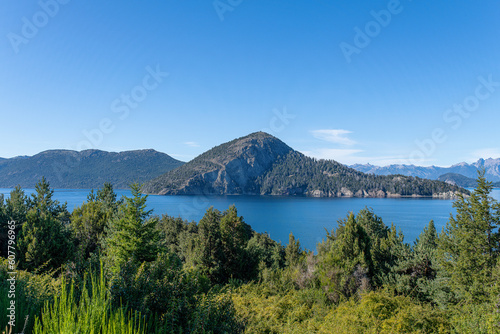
[[13, 209], [16, 205], [347, 265], [132, 235], [235, 235], [468, 246], [427, 241], [45, 241], [292, 251], [4, 221], [89, 221], [210, 255]]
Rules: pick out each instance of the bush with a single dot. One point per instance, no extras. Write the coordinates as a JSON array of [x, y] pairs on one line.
[[381, 312]]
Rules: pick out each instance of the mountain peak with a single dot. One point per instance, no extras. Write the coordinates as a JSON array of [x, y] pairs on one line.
[[227, 168]]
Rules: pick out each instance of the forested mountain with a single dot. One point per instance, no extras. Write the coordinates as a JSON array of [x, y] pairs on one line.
[[262, 164], [492, 167], [461, 181], [85, 169]]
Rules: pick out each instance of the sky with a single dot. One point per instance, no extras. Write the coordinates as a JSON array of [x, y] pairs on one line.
[[378, 82]]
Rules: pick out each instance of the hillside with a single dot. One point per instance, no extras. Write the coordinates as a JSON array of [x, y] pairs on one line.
[[492, 167], [462, 181], [85, 169], [262, 164]]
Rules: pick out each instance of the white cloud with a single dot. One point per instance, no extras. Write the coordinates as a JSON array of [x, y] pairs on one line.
[[192, 144], [337, 136]]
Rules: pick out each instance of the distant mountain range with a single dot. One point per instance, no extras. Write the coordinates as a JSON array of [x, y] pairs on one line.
[[85, 169], [461, 174], [262, 164], [492, 167]]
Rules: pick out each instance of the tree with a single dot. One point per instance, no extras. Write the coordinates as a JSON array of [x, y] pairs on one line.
[[4, 221], [468, 246], [16, 205], [14, 209], [292, 251], [347, 266], [235, 234], [221, 246], [210, 255], [132, 235], [45, 241], [413, 271], [42, 201], [90, 220], [427, 241]]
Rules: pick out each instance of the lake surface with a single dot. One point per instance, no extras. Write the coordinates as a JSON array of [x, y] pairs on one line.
[[306, 217]]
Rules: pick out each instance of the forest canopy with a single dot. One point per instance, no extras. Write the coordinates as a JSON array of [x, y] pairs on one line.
[[113, 266]]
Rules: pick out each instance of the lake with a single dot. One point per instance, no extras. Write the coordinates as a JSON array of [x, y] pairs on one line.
[[306, 217]]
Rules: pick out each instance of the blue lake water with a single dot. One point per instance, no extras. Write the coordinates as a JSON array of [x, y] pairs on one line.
[[306, 217]]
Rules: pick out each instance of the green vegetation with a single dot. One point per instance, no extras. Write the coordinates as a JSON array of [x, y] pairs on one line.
[[296, 174], [111, 266]]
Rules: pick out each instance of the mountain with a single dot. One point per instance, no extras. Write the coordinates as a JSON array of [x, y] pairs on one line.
[[230, 168], [462, 181], [85, 169], [492, 167], [262, 164], [458, 179]]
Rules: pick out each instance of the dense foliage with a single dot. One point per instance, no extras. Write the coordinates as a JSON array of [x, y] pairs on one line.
[[111, 266]]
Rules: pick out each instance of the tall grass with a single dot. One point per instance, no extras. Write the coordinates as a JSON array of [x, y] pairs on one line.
[[91, 313], [30, 294]]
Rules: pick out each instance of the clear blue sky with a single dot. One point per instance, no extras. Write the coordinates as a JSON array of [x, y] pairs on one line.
[[233, 66]]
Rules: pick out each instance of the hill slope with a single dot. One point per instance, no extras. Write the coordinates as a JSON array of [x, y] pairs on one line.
[[85, 169], [262, 164], [462, 181]]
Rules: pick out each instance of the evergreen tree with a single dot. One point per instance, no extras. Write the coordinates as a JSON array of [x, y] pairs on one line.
[[413, 269], [235, 234], [468, 246], [427, 241], [4, 222], [210, 255], [132, 235], [42, 201], [45, 241], [89, 222], [14, 208], [347, 266], [292, 251], [16, 205]]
